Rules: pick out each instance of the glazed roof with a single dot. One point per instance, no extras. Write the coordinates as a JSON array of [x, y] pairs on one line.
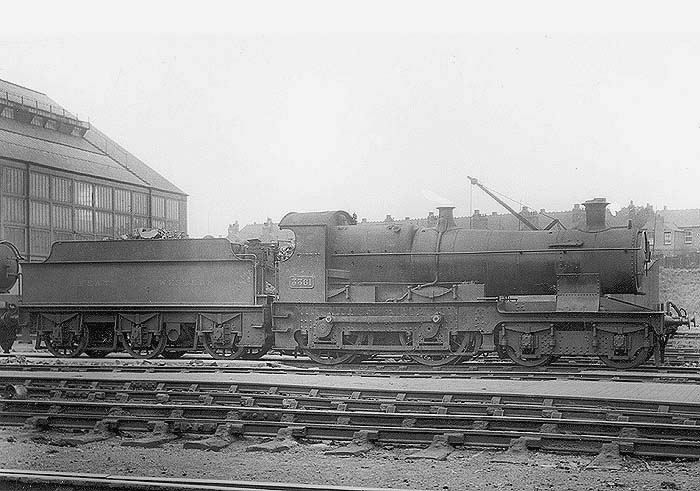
[[92, 154]]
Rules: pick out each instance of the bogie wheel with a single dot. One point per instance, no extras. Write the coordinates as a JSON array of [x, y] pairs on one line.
[[226, 352], [639, 358], [145, 351], [540, 361], [329, 357], [459, 346], [172, 355], [72, 344], [321, 356]]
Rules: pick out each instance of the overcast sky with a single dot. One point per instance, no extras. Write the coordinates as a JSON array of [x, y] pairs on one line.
[[254, 126]]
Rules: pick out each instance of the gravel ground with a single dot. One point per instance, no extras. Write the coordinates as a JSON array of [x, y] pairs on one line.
[[383, 467]]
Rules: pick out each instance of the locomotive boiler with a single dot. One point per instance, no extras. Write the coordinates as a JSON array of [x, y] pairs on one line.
[[347, 291], [505, 262]]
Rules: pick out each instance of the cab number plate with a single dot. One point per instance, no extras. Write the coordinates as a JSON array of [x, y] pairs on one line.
[[301, 282]]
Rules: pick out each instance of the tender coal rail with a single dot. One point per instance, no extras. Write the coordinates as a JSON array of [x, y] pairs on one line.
[[566, 424], [11, 480]]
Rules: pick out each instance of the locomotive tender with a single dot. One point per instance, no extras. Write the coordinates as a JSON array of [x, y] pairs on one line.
[[348, 291]]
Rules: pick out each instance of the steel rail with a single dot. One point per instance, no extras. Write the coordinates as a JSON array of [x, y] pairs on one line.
[[575, 424], [578, 436], [17, 479], [478, 370], [292, 395]]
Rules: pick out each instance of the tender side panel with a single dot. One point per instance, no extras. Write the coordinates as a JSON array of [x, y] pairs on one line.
[[140, 283]]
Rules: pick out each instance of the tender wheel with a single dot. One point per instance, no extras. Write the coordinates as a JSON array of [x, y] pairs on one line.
[[71, 345], [639, 358], [172, 355], [226, 352], [254, 353], [146, 350], [529, 362], [459, 343], [257, 353], [95, 353]]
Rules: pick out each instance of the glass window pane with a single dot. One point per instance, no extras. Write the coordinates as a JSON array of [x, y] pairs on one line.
[[158, 207], [83, 220], [83, 193], [103, 197], [40, 242], [103, 223], [62, 217], [140, 222], [122, 200], [61, 190], [39, 214], [172, 210], [13, 210], [140, 204], [38, 185], [122, 224], [13, 180]]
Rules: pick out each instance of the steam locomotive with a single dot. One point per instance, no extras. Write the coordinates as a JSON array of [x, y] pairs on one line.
[[346, 291]]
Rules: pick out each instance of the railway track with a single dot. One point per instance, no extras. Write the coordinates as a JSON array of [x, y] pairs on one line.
[[493, 369], [683, 350], [196, 409], [11, 480]]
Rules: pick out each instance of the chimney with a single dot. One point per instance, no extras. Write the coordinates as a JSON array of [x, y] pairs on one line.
[[446, 215], [595, 213]]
